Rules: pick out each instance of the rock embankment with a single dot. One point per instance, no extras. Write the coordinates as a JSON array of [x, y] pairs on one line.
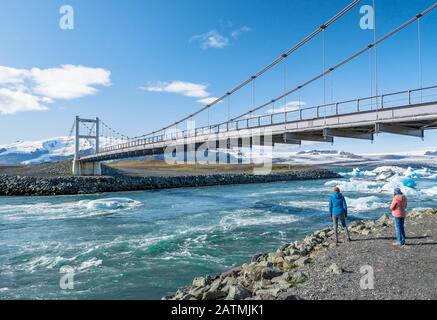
[[39, 186], [316, 268]]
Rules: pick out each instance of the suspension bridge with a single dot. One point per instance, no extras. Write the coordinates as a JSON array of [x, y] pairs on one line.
[[406, 112]]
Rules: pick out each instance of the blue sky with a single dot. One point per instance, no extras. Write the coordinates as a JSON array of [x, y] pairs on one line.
[[140, 65]]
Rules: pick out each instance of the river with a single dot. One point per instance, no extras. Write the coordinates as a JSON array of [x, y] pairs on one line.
[[144, 245]]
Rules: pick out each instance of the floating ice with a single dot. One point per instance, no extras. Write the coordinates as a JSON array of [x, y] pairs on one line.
[[434, 176], [384, 176], [365, 204], [385, 179], [430, 192], [398, 182], [408, 182], [358, 173], [355, 185], [409, 172], [391, 169]]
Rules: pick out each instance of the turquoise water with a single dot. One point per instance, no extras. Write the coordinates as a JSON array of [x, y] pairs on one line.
[[144, 245]]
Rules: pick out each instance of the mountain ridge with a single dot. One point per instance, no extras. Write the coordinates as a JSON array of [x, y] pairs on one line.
[[62, 148]]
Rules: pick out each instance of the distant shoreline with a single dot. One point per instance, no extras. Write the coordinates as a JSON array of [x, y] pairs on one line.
[[12, 185], [50, 179]]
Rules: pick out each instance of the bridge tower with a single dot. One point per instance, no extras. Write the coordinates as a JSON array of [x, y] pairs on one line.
[[81, 168]]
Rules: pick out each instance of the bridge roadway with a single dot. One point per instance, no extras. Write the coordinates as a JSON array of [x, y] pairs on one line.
[[320, 124]]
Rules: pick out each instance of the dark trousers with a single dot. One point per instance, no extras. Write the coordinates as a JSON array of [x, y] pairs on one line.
[[400, 230], [342, 218]]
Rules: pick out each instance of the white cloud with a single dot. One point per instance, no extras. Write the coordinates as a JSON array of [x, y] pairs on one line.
[[69, 82], [12, 75], [216, 40], [290, 106], [12, 102], [212, 39], [187, 89], [207, 101], [30, 90], [237, 33]]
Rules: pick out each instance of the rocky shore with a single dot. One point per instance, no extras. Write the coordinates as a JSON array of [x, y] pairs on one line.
[[40, 186], [316, 268]]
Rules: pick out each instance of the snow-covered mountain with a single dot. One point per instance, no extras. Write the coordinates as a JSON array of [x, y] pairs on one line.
[[24, 152], [54, 149], [342, 158]]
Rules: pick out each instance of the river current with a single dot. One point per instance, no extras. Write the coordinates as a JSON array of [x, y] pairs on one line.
[[144, 245]]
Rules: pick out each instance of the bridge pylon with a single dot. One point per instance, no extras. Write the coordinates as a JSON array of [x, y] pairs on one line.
[[81, 168]]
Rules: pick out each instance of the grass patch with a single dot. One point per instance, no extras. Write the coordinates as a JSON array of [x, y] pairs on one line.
[[291, 268], [295, 283]]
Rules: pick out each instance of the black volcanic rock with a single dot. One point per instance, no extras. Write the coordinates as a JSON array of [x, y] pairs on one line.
[[41, 186]]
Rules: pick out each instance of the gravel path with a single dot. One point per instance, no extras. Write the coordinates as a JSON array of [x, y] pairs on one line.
[[408, 272]]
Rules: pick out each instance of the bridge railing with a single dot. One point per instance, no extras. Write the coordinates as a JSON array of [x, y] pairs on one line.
[[372, 103]]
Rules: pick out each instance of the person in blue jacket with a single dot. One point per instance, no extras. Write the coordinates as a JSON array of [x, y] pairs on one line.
[[338, 211]]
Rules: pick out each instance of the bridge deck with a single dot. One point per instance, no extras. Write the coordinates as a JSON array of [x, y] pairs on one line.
[[407, 119]]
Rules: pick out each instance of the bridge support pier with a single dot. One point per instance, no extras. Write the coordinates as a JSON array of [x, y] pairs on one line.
[[347, 134], [284, 139], [308, 137], [402, 130], [86, 168]]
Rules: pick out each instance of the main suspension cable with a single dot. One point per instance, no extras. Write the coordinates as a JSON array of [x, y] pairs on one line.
[[350, 58], [375, 52], [419, 42]]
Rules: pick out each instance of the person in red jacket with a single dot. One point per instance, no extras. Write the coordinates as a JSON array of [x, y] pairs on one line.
[[398, 210]]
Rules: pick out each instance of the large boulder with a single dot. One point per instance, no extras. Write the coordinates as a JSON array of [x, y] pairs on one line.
[[366, 232], [272, 257], [270, 273], [262, 284], [430, 211], [272, 292], [257, 272], [233, 272], [265, 264], [286, 276], [201, 281], [213, 295], [292, 252], [259, 257], [196, 292], [384, 220], [335, 269], [299, 277], [228, 282], [369, 224], [287, 296], [180, 293], [303, 262], [238, 293]]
